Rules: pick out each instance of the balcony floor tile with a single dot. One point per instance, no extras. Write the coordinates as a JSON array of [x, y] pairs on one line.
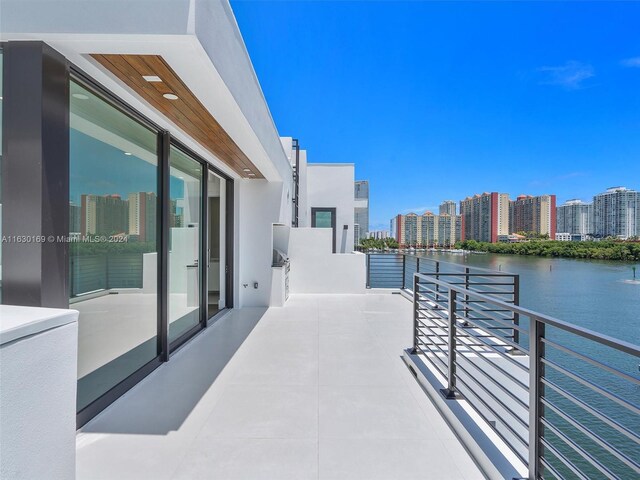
[[316, 389]]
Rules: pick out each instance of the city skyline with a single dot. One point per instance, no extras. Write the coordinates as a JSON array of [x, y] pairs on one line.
[[491, 94]]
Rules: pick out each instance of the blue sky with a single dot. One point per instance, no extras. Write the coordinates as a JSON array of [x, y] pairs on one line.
[[440, 100]]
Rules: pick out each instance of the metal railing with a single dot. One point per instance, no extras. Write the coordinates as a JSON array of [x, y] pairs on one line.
[[397, 271], [563, 398], [89, 273]]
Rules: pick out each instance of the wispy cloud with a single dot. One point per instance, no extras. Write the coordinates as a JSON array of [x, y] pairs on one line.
[[633, 62], [571, 75]]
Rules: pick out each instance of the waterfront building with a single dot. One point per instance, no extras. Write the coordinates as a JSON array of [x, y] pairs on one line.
[[103, 214], [533, 215], [426, 230], [448, 207], [484, 217], [575, 217], [361, 214], [446, 230], [616, 213], [142, 215], [74, 217], [379, 234]]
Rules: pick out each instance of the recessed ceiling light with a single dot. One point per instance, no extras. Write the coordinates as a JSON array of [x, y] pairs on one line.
[[152, 78], [252, 174], [80, 96], [247, 169], [128, 153], [170, 96]]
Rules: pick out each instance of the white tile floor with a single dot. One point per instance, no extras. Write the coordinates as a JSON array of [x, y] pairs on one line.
[[317, 390]]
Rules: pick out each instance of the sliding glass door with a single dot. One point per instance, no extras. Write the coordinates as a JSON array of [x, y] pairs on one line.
[[185, 244], [122, 186]]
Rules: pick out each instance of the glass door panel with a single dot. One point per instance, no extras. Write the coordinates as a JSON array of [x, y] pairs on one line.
[[185, 212], [113, 256]]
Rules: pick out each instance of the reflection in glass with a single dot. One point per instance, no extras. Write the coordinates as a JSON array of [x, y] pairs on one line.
[[113, 254], [185, 186]]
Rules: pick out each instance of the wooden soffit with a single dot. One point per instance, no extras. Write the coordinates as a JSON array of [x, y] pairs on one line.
[[186, 111]]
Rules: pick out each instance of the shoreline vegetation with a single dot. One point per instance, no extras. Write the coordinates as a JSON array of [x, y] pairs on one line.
[[602, 250]]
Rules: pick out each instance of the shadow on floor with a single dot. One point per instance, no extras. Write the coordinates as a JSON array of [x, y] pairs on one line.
[[163, 401]]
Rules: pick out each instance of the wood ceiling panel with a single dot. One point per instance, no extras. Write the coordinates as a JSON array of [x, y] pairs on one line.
[[187, 111]]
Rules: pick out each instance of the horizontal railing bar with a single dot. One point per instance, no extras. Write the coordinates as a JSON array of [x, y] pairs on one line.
[[520, 384], [594, 437], [430, 359], [592, 361], [508, 323], [498, 417], [577, 448], [503, 354], [548, 466], [617, 344], [491, 394], [565, 461], [508, 342], [596, 388], [593, 411]]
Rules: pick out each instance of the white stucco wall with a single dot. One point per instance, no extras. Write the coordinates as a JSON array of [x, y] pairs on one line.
[[38, 368], [331, 185], [258, 207], [315, 269]]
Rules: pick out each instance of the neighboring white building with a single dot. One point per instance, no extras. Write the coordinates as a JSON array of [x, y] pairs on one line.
[[575, 217], [563, 237], [379, 234], [616, 213]]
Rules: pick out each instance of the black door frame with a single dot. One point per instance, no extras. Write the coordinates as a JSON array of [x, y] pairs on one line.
[[332, 210]]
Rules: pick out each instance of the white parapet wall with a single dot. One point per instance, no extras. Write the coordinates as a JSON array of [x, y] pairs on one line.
[[315, 269], [38, 374]]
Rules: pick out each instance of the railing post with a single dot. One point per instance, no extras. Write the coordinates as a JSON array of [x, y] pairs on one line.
[[437, 286], [417, 264], [450, 391], [404, 268], [416, 305], [536, 391], [516, 301], [466, 296], [368, 285]]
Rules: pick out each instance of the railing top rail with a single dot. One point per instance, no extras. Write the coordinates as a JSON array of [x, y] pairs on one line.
[[606, 340], [453, 264]]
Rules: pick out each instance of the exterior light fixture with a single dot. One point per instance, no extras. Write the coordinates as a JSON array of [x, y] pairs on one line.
[[170, 96], [252, 174], [152, 78], [128, 153], [246, 169]]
